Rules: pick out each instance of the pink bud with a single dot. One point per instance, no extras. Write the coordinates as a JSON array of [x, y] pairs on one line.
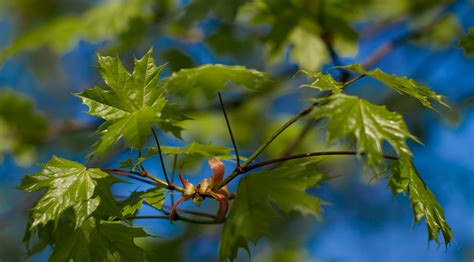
[[218, 169]]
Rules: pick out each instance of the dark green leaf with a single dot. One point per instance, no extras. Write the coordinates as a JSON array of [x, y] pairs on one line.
[[104, 241], [253, 208], [467, 42], [368, 123], [404, 176], [22, 129]]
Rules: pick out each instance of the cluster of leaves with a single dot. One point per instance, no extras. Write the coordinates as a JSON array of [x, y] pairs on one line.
[[78, 216], [303, 28]]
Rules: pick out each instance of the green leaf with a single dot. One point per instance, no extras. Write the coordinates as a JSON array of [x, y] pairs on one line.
[[368, 123], [154, 197], [257, 196], [102, 22], [467, 42], [402, 85], [195, 149], [308, 49], [104, 241], [20, 137], [213, 78], [68, 184], [323, 82], [131, 105], [199, 9], [404, 176]]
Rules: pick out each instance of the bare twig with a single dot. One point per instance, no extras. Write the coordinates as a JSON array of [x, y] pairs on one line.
[[312, 154], [163, 167], [229, 129]]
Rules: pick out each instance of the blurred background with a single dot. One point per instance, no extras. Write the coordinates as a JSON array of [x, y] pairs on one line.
[[48, 51]]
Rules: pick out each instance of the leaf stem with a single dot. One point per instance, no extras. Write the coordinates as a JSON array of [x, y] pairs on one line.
[[135, 175]]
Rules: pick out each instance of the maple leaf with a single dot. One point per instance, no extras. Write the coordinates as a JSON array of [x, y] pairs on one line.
[[99, 241], [68, 184], [405, 177], [213, 78], [370, 124], [323, 82], [258, 194], [402, 85], [131, 104]]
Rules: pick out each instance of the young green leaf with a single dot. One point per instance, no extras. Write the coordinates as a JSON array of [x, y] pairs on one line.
[[404, 176], [131, 105], [323, 82], [467, 42], [68, 184], [154, 197], [402, 85], [368, 123], [213, 78], [257, 195], [105, 21]]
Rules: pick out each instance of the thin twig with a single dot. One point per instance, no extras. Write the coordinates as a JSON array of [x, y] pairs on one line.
[[312, 154], [178, 218], [163, 167], [229, 129], [132, 176], [175, 160], [192, 212]]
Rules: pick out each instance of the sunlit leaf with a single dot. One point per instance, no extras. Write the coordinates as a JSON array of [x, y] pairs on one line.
[[131, 105], [402, 85], [68, 184], [323, 82], [403, 177], [371, 125], [257, 196], [154, 197]]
